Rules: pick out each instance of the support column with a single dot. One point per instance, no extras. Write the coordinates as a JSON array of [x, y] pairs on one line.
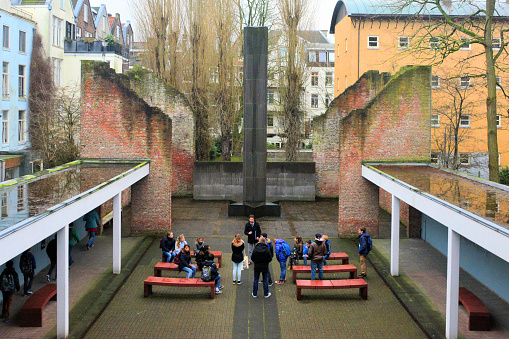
[[395, 236], [63, 282], [453, 277], [117, 233]]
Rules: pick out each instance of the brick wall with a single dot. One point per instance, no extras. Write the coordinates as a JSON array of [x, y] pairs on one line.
[[158, 94], [116, 123], [326, 130], [393, 126]]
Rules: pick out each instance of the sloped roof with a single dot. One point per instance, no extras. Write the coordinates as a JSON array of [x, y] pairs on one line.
[[100, 11], [314, 37], [392, 8]]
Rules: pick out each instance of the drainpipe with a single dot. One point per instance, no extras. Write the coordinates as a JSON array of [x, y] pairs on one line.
[[359, 49], [50, 35]]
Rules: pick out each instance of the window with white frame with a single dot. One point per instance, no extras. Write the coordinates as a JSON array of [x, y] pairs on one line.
[[499, 82], [435, 81], [499, 120], [330, 56], [5, 80], [6, 41], [57, 72], [328, 79], [435, 120], [496, 43], [465, 82], [322, 56], [314, 100], [464, 120], [57, 31], [22, 41], [22, 126], [85, 12], [403, 42], [118, 33], [373, 42], [62, 4], [270, 96], [465, 44], [314, 79], [5, 127], [88, 34], [312, 56], [22, 81], [78, 32], [434, 43], [464, 158], [5, 205], [434, 158]]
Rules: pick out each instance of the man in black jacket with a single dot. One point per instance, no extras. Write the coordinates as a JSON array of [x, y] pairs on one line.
[[9, 283], [168, 247], [253, 231], [261, 258]]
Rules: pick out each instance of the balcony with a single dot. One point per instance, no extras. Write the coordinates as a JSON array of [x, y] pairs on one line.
[[93, 47]]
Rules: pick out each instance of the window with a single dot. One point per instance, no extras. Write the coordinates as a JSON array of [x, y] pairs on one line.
[[21, 81], [270, 121], [88, 34], [85, 13], [434, 158], [78, 32], [314, 79], [496, 43], [338, 48], [62, 4], [465, 82], [434, 43], [314, 100], [435, 81], [465, 44], [57, 31], [57, 72], [327, 102], [5, 205], [331, 57], [403, 42], [312, 56], [5, 127], [372, 41], [499, 120], [464, 120], [499, 82], [22, 123], [322, 56], [464, 158], [6, 39], [118, 33], [22, 41], [283, 52], [346, 45], [5, 80], [435, 120], [328, 79], [270, 96], [21, 197]]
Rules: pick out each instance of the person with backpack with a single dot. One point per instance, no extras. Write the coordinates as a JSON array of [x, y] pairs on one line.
[[315, 253], [297, 252], [167, 245], [237, 258], [92, 223], [327, 245], [9, 282], [269, 243], [74, 238], [261, 258], [210, 272], [253, 231], [184, 262], [27, 266], [365, 245], [283, 251], [305, 251], [51, 251], [203, 255]]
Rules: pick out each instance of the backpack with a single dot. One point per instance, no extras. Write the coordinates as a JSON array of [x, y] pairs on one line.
[[7, 282], [176, 260], [369, 244], [285, 248], [25, 264], [161, 242], [208, 271]]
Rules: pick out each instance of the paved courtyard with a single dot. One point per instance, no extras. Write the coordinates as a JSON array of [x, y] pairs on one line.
[[103, 305]]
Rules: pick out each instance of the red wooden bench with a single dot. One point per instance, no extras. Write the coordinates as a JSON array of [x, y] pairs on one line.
[[478, 314], [333, 284], [339, 256], [326, 269], [163, 266], [31, 312], [217, 254], [182, 282]]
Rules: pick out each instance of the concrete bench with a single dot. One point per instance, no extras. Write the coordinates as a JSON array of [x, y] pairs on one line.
[[181, 282], [163, 266], [31, 312], [333, 284], [217, 255], [478, 314], [326, 269], [339, 256]]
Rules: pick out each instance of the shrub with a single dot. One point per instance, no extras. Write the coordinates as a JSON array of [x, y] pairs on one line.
[[504, 175]]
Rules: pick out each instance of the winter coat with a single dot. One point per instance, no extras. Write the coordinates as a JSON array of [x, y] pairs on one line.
[[92, 221], [363, 244], [257, 231], [51, 249], [197, 247], [279, 251], [327, 246], [271, 247], [305, 250], [300, 248], [168, 244], [261, 257], [185, 260], [30, 257], [238, 252], [202, 256], [9, 270], [74, 238], [316, 251]]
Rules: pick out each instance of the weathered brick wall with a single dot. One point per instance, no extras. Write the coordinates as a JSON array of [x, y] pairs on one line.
[[393, 126], [326, 130], [116, 123], [157, 93], [386, 204]]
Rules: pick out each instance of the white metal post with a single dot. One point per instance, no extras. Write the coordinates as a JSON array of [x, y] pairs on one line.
[[117, 232], [63, 282], [395, 236], [453, 277]]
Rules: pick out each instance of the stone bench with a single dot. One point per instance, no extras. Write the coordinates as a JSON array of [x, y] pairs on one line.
[[333, 284], [31, 312], [478, 314], [178, 282], [326, 269]]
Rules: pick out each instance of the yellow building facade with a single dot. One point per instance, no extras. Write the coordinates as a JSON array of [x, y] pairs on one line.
[[368, 36]]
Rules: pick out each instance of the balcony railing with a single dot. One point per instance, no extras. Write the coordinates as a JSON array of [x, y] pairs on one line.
[[92, 47]]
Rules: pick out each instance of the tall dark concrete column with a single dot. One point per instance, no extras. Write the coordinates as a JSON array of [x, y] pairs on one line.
[[255, 114]]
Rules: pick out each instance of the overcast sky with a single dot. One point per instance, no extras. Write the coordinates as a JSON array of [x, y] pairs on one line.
[[323, 8]]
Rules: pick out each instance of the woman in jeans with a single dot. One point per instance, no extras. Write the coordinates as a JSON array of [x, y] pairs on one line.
[[237, 257], [185, 262]]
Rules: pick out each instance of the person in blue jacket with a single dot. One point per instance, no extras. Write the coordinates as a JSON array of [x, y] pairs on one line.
[[92, 223], [363, 250], [282, 258], [305, 251], [327, 245]]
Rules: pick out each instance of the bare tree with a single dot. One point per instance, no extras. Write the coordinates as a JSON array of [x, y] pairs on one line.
[[256, 12]]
